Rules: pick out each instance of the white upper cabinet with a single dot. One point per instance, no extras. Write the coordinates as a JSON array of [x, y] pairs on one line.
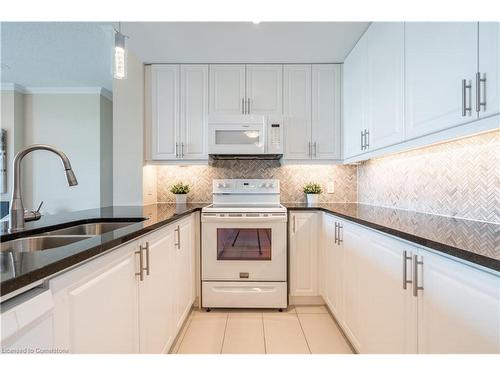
[[297, 111], [326, 81], [178, 104], [164, 112], [227, 89], [194, 111], [489, 69], [441, 63], [458, 308], [385, 91], [355, 98], [264, 88]]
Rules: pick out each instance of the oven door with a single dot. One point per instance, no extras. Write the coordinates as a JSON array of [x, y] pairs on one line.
[[236, 139], [244, 249]]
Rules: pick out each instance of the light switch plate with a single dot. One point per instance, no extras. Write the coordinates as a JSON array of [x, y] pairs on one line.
[[330, 187]]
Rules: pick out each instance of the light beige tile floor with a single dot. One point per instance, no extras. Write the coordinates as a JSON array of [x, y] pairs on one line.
[[299, 330]]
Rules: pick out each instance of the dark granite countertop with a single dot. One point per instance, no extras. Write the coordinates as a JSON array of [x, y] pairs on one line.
[[473, 241], [23, 268], [476, 242]]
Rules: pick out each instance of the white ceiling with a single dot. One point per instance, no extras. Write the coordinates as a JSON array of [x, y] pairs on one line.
[[233, 42], [57, 54]]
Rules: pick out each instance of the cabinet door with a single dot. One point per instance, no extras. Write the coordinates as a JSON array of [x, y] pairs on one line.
[[385, 64], [390, 327], [438, 55], [184, 270], [227, 89], [458, 309], [332, 262], [96, 305], [156, 293], [303, 254], [297, 111], [355, 98], [326, 111], [194, 111], [489, 67], [264, 89], [355, 280], [164, 111]]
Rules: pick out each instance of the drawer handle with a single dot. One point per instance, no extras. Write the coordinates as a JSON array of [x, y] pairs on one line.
[[244, 275], [416, 263]]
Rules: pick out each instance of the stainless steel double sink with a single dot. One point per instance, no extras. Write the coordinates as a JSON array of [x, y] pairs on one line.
[[62, 237]]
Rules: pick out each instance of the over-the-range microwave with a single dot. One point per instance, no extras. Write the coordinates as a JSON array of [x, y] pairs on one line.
[[245, 137]]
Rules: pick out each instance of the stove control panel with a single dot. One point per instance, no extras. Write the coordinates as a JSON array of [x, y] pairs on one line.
[[246, 186]]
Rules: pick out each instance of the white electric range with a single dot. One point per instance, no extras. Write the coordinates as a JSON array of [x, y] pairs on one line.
[[244, 252]]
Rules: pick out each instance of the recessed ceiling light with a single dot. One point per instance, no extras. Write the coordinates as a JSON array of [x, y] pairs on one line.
[[255, 22]]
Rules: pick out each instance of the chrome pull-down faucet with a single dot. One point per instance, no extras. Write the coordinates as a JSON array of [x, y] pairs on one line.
[[17, 214]]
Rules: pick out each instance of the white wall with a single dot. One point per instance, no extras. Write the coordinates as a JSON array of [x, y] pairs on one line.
[[12, 120], [106, 140], [128, 137], [72, 123]]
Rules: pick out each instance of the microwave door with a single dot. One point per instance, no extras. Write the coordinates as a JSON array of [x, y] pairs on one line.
[[237, 139]]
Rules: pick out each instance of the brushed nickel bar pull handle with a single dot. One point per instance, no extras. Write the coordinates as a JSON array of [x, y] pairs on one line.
[[176, 150], [465, 108], [248, 106], [362, 138], [335, 240], [479, 102], [179, 236], [141, 264], [182, 150], [416, 263], [367, 139], [147, 257], [178, 243], [405, 272], [243, 106], [294, 222], [315, 149], [341, 238]]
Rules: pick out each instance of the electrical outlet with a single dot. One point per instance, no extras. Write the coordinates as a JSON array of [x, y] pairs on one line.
[[330, 187]]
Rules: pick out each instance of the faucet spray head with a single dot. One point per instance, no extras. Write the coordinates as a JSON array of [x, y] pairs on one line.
[[70, 175]]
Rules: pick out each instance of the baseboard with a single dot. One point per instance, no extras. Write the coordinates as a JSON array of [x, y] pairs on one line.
[[306, 300]]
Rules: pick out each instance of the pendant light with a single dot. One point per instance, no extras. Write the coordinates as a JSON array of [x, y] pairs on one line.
[[120, 71]]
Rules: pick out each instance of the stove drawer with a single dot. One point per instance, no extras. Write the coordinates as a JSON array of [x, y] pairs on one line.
[[244, 294]]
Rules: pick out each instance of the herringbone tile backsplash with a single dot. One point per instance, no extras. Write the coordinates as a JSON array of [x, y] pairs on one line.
[[292, 179], [459, 178]]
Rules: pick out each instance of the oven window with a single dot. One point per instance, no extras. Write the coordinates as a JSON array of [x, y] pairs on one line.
[[243, 244], [237, 137]]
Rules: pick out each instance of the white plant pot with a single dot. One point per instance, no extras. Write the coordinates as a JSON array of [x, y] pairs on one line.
[[180, 198], [312, 198]]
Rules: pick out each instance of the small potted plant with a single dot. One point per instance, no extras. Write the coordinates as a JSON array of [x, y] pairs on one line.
[[180, 190], [312, 191]]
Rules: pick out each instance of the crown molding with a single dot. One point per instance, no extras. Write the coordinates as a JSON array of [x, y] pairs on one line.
[[57, 90], [12, 87]]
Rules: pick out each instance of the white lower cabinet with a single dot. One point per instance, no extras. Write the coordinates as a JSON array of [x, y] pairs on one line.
[[458, 308], [362, 280], [157, 293], [96, 305], [330, 263], [303, 254], [132, 300]]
